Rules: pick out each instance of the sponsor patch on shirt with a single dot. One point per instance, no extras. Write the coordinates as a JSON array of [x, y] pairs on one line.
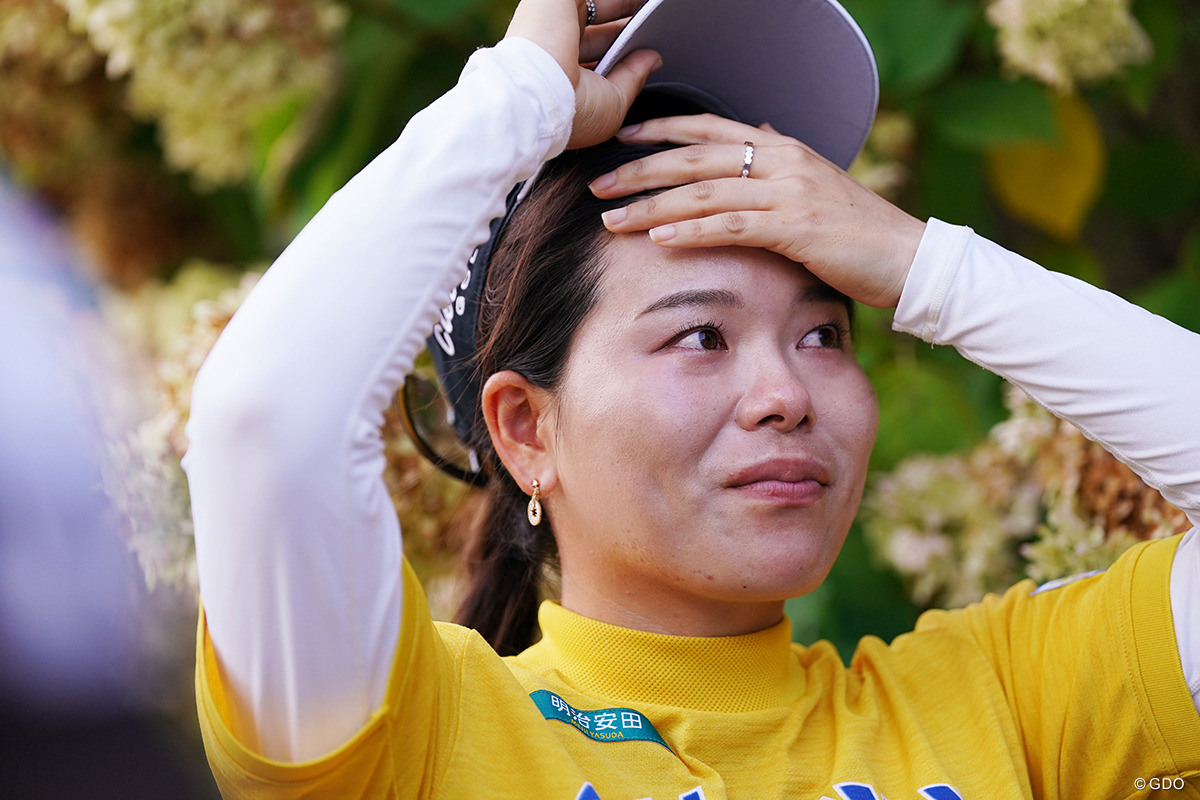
[[602, 724]]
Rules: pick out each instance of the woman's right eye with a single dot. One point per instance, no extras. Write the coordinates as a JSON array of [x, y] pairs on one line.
[[705, 338]]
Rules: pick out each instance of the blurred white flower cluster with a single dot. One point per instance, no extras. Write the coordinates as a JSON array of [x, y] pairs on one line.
[[50, 99], [32, 30], [1063, 43], [1036, 499], [211, 72], [165, 332], [949, 524]]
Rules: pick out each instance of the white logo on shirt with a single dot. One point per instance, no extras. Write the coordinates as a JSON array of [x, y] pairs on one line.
[[846, 791]]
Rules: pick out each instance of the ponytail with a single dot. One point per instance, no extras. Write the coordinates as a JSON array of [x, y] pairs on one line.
[[506, 561]]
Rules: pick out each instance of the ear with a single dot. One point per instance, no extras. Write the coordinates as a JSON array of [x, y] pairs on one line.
[[520, 421]]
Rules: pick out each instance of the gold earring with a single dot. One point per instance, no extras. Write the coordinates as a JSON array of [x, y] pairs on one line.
[[534, 511]]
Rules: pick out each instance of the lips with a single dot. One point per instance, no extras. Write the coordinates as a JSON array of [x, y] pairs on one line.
[[783, 481], [787, 470]]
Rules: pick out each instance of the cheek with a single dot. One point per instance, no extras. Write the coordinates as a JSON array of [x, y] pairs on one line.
[[869, 405], [859, 414], [634, 419]]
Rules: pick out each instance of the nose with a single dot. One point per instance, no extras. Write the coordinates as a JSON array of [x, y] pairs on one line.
[[775, 396]]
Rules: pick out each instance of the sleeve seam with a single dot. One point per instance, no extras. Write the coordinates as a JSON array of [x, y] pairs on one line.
[[945, 280]]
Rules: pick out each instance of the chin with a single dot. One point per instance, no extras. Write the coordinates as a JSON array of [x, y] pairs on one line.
[[794, 568], [775, 580]]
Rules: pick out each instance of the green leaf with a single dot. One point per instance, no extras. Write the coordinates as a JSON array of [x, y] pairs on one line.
[[236, 215], [1153, 179], [921, 409], [983, 112], [271, 125], [1161, 21], [439, 13], [916, 43], [1189, 262], [278, 143], [871, 17], [432, 71], [928, 36], [874, 341], [1072, 259], [951, 186], [1176, 295], [377, 59]]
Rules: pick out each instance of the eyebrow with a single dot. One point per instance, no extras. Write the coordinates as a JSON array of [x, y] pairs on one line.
[[695, 297], [815, 293]]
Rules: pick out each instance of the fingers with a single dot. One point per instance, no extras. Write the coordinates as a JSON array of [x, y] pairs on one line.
[[693, 201], [699, 129], [611, 10], [559, 27], [713, 147], [745, 228], [597, 39], [700, 162], [794, 203], [671, 168]]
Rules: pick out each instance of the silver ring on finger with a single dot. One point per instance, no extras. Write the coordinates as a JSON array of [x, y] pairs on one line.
[[591, 11], [747, 159]]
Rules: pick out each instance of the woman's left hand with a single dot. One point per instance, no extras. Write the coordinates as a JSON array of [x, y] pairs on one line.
[[795, 203]]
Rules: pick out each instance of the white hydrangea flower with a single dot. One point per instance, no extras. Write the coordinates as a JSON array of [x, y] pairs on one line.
[[208, 71], [1066, 42], [165, 333], [33, 31]]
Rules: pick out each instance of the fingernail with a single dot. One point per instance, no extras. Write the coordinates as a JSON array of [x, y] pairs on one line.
[[629, 130], [614, 217], [662, 233], [605, 181]]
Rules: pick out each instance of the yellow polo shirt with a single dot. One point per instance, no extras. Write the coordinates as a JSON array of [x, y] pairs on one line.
[[1073, 693]]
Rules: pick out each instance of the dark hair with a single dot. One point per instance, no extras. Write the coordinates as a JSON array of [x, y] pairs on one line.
[[541, 284]]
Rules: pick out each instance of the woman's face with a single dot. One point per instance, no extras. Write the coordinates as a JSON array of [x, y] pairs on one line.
[[710, 440]]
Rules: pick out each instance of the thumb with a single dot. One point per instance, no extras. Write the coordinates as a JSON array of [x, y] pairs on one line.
[[601, 103], [631, 72]]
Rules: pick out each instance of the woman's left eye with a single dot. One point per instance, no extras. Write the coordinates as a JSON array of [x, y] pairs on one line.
[[829, 336]]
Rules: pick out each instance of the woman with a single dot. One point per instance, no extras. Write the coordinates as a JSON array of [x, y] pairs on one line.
[[689, 407]]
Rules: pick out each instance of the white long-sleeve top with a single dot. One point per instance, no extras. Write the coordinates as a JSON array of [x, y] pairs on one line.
[[297, 542]]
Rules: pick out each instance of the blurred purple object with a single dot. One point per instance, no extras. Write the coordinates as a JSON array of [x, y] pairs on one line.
[[66, 599]]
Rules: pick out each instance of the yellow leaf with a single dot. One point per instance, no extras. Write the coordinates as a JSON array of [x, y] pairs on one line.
[[1053, 185]]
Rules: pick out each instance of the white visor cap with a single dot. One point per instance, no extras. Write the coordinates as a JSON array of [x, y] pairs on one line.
[[803, 66]]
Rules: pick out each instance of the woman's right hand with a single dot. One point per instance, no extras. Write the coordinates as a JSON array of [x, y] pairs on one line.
[[560, 28]]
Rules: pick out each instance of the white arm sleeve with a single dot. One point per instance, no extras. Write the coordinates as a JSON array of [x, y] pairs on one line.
[[1126, 377], [297, 542]]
